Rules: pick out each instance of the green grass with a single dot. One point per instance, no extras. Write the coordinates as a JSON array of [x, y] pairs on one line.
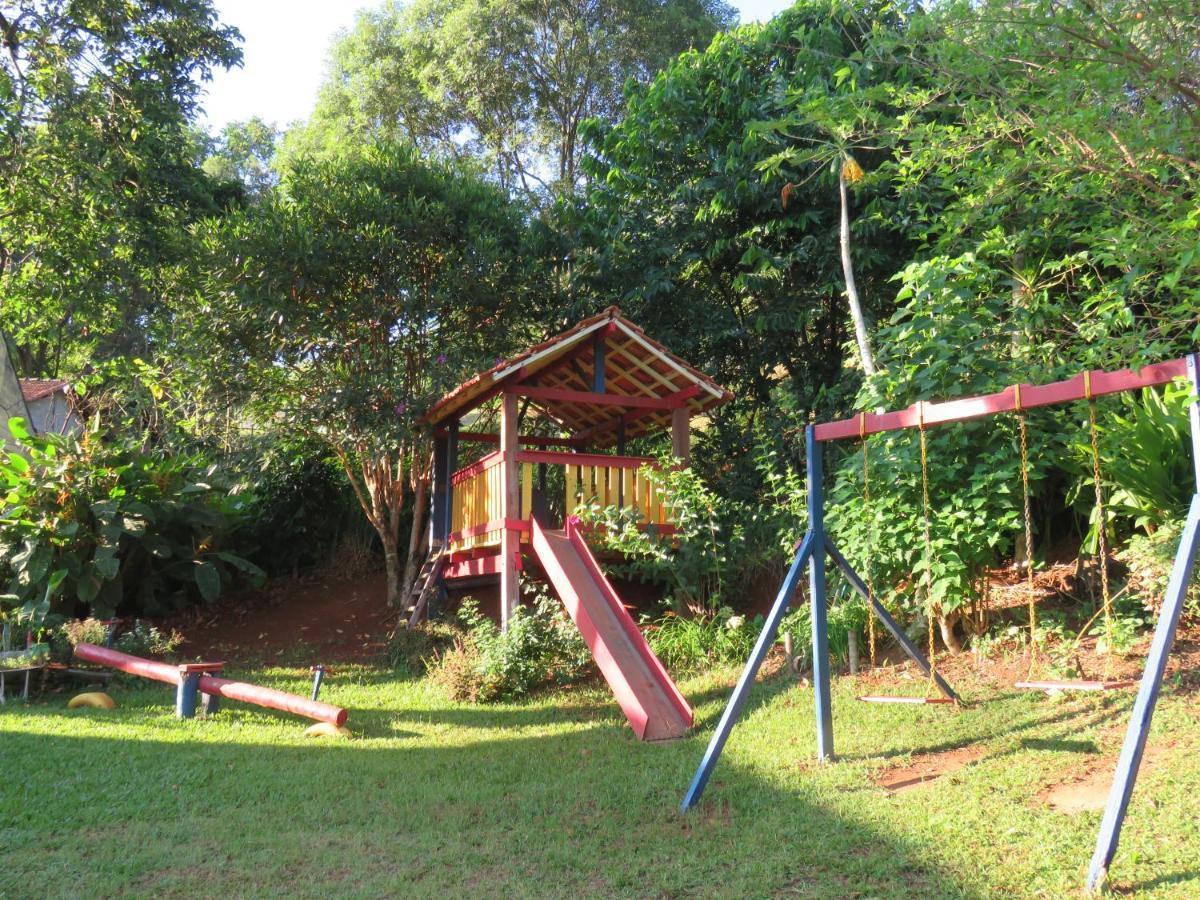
[[554, 797]]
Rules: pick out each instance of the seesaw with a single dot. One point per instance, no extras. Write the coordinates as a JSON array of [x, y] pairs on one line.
[[201, 684]]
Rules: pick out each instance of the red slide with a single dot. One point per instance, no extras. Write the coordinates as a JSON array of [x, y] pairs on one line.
[[647, 695]]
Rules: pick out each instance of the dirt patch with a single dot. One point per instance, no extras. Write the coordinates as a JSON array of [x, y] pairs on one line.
[[926, 767], [1087, 790], [330, 619]]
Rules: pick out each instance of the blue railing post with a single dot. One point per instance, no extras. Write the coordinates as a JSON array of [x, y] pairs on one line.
[[1134, 746], [816, 597]]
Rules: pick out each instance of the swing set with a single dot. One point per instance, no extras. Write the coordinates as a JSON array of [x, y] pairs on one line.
[[816, 546]]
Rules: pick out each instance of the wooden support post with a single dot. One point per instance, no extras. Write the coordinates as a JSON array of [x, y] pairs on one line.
[[598, 350], [451, 468], [440, 494], [510, 541], [681, 435]]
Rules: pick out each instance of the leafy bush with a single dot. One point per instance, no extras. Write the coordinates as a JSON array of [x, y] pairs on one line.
[[693, 643], [844, 617], [298, 507], [691, 561], [541, 647], [97, 523], [1149, 559], [413, 651], [1146, 460], [138, 637]]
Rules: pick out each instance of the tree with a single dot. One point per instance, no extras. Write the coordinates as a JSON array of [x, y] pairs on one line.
[[96, 174], [345, 302], [509, 81], [242, 154], [685, 227], [1045, 159]]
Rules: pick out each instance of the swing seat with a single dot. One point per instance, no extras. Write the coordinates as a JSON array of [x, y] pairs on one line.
[[887, 699], [1080, 685]]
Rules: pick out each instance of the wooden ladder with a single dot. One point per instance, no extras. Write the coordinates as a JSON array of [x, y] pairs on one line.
[[424, 585]]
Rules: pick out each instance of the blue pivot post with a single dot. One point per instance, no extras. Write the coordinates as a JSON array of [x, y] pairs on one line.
[[318, 676], [186, 693], [889, 623], [1156, 664], [738, 698], [816, 597]]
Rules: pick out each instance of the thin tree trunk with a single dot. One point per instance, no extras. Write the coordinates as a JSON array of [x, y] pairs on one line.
[[856, 313], [946, 623], [391, 558], [380, 494], [414, 538]]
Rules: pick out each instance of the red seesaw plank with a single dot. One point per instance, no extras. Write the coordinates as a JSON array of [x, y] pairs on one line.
[[1032, 395]]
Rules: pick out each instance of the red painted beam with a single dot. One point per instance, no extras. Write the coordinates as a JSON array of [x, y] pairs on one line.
[[273, 699], [533, 440], [584, 436], [470, 568], [590, 398], [521, 525], [923, 413], [584, 459], [124, 662]]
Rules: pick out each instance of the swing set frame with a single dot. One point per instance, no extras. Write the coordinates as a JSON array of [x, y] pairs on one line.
[[812, 550]]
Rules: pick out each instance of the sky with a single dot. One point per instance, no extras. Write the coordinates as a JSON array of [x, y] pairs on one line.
[[285, 44]]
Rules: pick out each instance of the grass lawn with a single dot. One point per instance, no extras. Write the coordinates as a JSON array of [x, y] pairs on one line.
[[554, 797]]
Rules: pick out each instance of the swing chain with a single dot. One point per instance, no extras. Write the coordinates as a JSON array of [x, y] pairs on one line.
[[1102, 519], [928, 544], [866, 466], [1030, 590]]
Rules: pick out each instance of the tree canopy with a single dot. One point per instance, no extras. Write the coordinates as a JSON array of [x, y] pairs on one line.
[[507, 81], [96, 169]]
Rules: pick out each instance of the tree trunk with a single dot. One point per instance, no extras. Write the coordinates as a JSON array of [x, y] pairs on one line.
[[420, 492], [391, 558], [946, 623], [856, 313], [380, 493]]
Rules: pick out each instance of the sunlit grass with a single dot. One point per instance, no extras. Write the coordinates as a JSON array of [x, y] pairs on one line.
[[554, 797]]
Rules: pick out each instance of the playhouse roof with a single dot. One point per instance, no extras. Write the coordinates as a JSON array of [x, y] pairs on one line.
[[34, 389], [636, 366]]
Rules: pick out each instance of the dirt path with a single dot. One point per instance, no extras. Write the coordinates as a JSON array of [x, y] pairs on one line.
[[927, 767], [1086, 789], [330, 619]]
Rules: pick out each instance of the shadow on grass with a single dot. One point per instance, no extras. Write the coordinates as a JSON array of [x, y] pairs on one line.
[[1162, 881], [1060, 745], [587, 811]]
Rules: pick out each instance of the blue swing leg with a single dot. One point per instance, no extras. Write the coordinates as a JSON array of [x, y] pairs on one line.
[[811, 550], [1147, 697], [1156, 665], [736, 700], [816, 585], [889, 623]]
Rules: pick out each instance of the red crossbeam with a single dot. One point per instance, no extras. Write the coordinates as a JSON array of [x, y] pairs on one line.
[[1031, 395], [590, 398], [584, 459]]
